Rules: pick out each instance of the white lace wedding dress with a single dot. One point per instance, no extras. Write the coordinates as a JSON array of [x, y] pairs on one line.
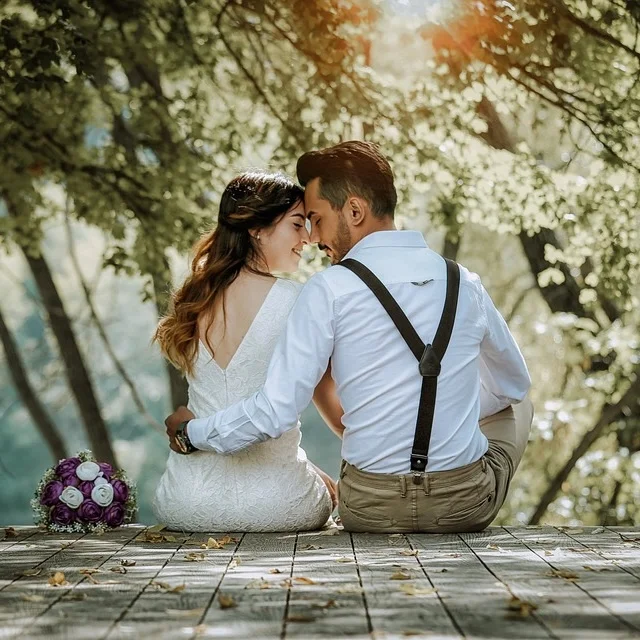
[[269, 486]]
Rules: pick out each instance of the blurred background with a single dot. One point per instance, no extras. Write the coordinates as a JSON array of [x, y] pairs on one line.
[[513, 131]]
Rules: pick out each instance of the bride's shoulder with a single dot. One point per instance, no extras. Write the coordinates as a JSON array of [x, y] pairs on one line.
[[290, 288]]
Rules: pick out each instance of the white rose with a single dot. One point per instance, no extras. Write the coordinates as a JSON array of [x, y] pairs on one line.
[[100, 480], [72, 497], [102, 494], [88, 471]]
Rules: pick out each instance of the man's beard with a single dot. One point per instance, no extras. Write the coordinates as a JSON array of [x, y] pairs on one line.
[[341, 244]]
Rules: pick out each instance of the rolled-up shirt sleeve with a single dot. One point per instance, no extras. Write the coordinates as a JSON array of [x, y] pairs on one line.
[[504, 377], [299, 360]]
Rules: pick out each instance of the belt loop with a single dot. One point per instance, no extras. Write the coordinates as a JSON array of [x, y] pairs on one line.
[[484, 464], [343, 469], [426, 484], [403, 486]]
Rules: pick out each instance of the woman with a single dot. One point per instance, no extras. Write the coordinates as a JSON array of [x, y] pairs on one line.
[[226, 319]]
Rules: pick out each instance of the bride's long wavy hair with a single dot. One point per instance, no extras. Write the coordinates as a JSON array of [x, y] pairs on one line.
[[251, 201]]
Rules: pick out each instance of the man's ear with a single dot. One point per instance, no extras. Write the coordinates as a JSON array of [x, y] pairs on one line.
[[356, 211]]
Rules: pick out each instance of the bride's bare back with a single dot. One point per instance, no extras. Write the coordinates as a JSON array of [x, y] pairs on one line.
[[242, 302]]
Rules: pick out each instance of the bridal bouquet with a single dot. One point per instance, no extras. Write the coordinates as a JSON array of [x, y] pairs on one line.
[[80, 494]]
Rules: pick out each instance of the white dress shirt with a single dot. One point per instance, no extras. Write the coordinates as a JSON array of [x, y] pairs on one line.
[[337, 317]]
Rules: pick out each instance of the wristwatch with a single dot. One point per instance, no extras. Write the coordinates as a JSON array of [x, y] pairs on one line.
[[182, 439]]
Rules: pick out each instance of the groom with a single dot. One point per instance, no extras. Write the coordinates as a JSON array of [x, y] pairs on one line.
[[431, 441]]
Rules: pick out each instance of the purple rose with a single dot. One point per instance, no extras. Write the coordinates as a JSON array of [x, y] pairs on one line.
[[106, 468], [114, 514], [86, 488], [120, 490], [71, 480], [51, 493], [61, 514], [89, 511], [67, 466]]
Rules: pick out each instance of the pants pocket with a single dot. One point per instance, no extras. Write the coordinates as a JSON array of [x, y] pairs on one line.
[[468, 515]]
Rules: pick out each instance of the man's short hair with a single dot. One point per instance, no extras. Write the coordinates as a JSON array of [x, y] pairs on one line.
[[348, 169]]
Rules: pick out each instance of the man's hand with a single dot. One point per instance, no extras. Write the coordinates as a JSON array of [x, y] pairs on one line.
[[180, 415]]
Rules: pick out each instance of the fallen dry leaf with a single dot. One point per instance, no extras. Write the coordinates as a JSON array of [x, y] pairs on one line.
[[128, 563], [596, 569], [118, 569], [567, 575], [154, 537], [303, 580], [259, 583], [454, 555], [310, 547], [494, 547], [31, 597], [330, 604], [300, 617], [402, 574], [226, 602], [396, 535], [76, 595], [194, 556], [409, 552], [412, 590], [58, 579], [10, 532], [168, 588], [521, 607], [236, 562], [275, 571], [548, 553], [598, 530], [344, 559], [329, 532], [89, 574], [29, 573]]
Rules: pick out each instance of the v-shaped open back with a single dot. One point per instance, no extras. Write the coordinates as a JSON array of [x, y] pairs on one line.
[[261, 310]]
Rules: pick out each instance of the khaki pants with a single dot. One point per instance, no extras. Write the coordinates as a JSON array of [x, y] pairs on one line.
[[458, 500]]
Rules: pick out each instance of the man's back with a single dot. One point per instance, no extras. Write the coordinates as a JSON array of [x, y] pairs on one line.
[[376, 373]]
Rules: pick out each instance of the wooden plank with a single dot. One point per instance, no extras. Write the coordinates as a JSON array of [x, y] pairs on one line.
[[32, 603], [36, 551], [331, 605], [607, 585], [398, 608], [562, 608], [476, 600], [259, 596], [621, 550], [19, 534], [174, 603]]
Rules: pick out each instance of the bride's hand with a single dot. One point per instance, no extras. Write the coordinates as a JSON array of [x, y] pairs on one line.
[[330, 483]]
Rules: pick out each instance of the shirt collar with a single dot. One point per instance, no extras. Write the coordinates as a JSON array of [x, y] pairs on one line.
[[393, 238]]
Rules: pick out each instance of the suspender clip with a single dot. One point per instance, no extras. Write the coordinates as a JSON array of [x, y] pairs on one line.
[[429, 363], [418, 463]]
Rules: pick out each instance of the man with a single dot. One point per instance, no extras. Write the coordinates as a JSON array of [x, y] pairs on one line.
[[474, 440]]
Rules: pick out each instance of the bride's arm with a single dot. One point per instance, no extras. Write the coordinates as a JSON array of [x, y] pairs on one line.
[[325, 397]]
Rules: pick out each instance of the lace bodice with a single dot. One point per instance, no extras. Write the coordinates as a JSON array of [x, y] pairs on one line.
[[269, 486]]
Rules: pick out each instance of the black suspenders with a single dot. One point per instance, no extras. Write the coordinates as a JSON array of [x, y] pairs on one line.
[[429, 356]]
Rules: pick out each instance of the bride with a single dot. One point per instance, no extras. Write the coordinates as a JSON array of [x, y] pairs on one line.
[[221, 332]]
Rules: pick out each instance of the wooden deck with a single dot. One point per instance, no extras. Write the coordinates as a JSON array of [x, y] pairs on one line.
[[512, 582]]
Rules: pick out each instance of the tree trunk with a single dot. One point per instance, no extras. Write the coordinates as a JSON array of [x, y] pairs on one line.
[[27, 394], [77, 374]]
